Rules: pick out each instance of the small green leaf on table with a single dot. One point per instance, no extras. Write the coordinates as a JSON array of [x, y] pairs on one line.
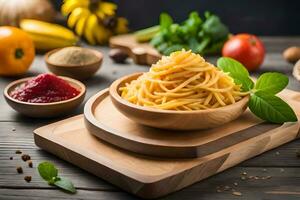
[[65, 184], [49, 173]]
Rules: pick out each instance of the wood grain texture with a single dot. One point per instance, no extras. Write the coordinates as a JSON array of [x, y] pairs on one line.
[[149, 177], [282, 185], [141, 53], [101, 119], [102, 116], [168, 119]]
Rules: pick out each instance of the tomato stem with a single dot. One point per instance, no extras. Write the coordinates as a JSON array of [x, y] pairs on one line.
[[252, 41]]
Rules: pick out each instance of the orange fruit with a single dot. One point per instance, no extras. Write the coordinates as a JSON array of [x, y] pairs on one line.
[[16, 51]]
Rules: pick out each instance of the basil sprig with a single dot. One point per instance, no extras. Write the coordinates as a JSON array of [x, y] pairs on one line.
[[49, 173], [263, 100]]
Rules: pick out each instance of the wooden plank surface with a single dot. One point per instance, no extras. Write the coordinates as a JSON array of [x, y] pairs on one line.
[[281, 163], [150, 177]]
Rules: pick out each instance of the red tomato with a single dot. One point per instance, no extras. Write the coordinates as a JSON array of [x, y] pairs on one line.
[[247, 49]]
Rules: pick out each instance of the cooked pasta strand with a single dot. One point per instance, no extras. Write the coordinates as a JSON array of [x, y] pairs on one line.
[[183, 81]]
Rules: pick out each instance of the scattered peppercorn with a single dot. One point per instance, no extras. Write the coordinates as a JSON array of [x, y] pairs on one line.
[[13, 129], [30, 164], [118, 55], [25, 157], [19, 170], [27, 179], [18, 152], [11, 158]]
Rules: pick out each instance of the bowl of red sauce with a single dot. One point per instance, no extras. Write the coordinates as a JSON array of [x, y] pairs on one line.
[[45, 95]]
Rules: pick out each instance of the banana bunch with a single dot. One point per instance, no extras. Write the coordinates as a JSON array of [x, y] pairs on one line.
[[47, 36], [95, 20]]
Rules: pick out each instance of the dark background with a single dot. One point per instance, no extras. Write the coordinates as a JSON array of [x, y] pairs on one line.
[[263, 17]]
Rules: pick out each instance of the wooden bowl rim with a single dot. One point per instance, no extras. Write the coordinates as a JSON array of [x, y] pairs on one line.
[[20, 81], [114, 94], [92, 120], [97, 53]]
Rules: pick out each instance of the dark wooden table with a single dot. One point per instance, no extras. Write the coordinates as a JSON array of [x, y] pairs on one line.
[[281, 164]]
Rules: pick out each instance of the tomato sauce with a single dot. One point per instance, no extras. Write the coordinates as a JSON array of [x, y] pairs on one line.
[[45, 88]]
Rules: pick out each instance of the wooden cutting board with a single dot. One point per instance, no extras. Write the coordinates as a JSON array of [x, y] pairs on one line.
[[152, 177], [141, 53], [106, 122]]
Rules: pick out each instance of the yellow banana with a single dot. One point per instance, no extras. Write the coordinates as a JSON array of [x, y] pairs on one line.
[[77, 14], [81, 25], [91, 23], [45, 43], [86, 18], [48, 29], [70, 5], [121, 26], [102, 34], [48, 36], [105, 9]]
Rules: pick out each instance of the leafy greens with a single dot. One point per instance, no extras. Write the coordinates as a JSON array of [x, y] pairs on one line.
[[204, 36]]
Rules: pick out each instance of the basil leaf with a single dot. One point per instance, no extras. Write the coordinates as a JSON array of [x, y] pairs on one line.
[[65, 184], [191, 26], [271, 82], [215, 28], [237, 71], [165, 21], [173, 48], [271, 108], [47, 171]]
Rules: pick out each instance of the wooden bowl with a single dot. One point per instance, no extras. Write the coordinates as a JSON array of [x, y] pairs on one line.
[[79, 72], [171, 119], [45, 110]]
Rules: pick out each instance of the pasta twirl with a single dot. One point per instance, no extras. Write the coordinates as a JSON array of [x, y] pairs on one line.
[[183, 81]]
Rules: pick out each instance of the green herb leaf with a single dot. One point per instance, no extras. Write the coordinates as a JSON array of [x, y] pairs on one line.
[[271, 108], [215, 28], [47, 171], [213, 48], [237, 71], [191, 26], [165, 21], [271, 82], [172, 48], [65, 184]]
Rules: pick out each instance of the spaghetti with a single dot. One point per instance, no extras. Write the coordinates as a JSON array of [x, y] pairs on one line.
[[183, 81]]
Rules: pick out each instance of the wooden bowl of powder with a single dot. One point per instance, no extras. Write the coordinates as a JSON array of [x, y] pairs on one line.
[[75, 62]]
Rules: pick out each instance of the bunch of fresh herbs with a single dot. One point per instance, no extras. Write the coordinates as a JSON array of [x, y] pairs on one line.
[[203, 36], [263, 100]]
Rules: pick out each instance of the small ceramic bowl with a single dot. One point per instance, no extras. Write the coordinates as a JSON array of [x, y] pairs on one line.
[[171, 119], [45, 110], [79, 72]]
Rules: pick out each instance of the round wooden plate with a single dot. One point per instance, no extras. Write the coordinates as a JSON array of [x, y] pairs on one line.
[[103, 120]]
